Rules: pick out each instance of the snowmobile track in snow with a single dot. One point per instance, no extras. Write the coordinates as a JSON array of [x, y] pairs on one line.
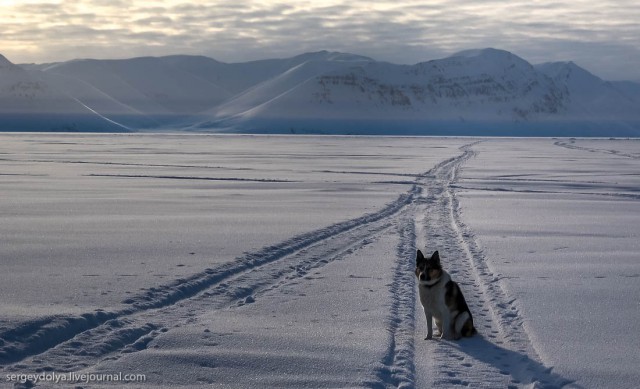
[[428, 216], [52, 343], [501, 354]]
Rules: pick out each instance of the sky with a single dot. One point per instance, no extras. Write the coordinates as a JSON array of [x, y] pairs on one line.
[[601, 36]]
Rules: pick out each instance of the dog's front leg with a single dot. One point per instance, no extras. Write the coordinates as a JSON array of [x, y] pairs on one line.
[[429, 324]]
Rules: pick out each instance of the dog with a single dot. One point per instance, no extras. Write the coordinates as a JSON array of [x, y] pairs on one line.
[[442, 300]]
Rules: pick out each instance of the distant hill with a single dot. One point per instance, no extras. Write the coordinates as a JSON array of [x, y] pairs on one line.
[[474, 92], [37, 101]]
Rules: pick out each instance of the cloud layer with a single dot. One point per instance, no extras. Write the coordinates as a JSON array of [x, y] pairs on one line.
[[601, 36]]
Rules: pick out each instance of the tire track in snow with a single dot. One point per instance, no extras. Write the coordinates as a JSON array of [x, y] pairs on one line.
[[63, 335], [501, 355]]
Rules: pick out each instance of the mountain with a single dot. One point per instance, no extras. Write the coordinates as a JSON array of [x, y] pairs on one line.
[[151, 92], [590, 96], [473, 92], [149, 85], [281, 84], [631, 90], [480, 89], [238, 77], [33, 101]]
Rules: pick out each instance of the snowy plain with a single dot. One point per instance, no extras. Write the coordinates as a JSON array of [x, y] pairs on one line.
[[287, 261]]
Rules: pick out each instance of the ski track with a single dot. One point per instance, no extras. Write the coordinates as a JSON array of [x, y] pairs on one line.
[[428, 217]]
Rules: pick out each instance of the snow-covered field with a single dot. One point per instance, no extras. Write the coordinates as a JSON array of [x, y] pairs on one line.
[[287, 261]]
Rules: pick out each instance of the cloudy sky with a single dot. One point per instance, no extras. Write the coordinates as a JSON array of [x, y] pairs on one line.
[[602, 36]]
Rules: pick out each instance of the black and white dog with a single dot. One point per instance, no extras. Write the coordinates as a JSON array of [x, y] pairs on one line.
[[442, 300]]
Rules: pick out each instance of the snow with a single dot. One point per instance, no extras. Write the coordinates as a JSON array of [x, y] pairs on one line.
[[560, 226], [479, 89], [147, 84], [35, 101], [590, 96], [486, 92], [476, 92], [287, 261], [258, 97], [5, 63]]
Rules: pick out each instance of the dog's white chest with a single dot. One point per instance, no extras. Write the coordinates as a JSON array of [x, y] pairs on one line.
[[432, 300]]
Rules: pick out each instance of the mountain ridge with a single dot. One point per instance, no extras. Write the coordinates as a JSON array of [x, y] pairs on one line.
[[473, 92]]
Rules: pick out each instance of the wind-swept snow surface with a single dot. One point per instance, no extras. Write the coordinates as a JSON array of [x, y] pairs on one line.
[[253, 261], [559, 220]]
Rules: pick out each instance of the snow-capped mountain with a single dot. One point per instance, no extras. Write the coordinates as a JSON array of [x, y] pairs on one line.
[[590, 96], [479, 92], [33, 101], [488, 86], [472, 92], [238, 77]]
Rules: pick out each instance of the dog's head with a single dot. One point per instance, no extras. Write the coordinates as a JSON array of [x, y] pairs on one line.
[[428, 270]]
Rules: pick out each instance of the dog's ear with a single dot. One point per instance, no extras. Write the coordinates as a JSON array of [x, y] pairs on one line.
[[419, 257], [435, 257]]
